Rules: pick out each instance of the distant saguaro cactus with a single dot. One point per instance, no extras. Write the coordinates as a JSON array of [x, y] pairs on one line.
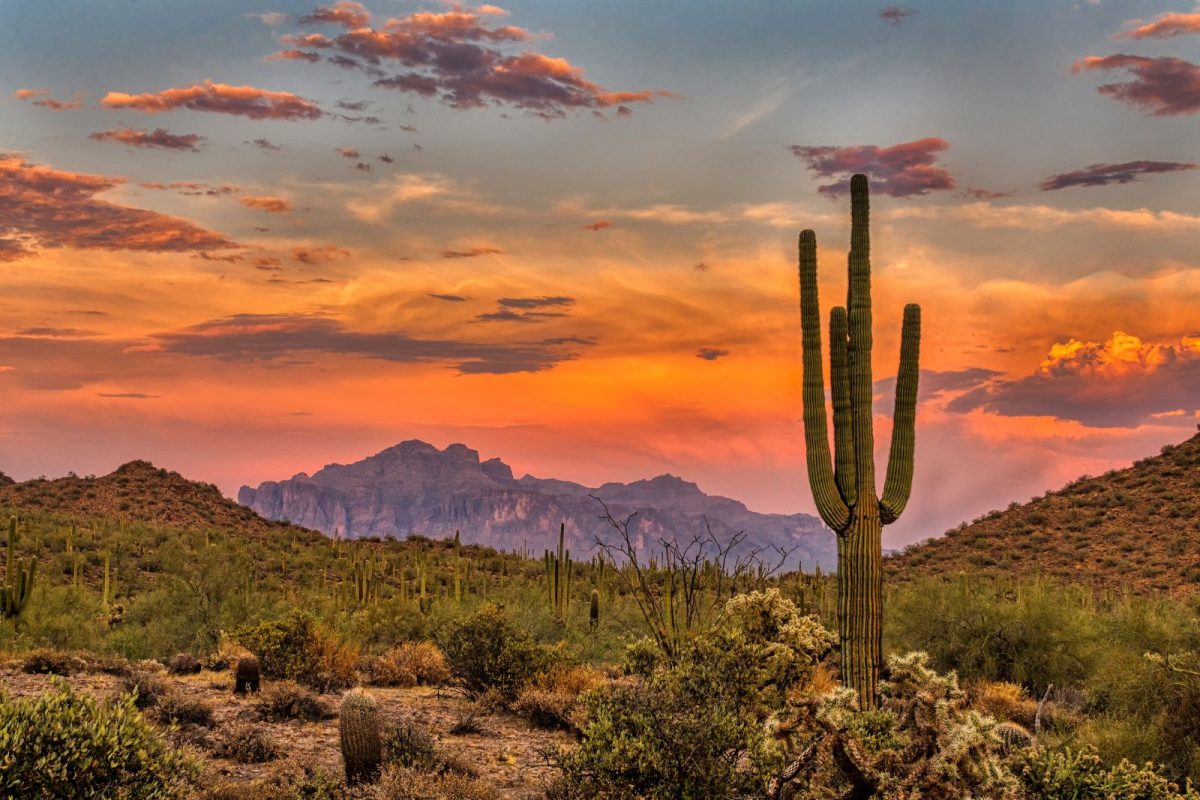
[[594, 610], [844, 489], [18, 577], [362, 746], [558, 577], [247, 675]]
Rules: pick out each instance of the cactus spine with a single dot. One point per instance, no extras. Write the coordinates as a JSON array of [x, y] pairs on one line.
[[18, 577], [358, 725], [844, 487], [558, 577]]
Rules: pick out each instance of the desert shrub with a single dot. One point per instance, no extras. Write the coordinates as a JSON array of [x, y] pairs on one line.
[[409, 664], [698, 727], [1080, 775], [641, 657], [246, 743], [285, 781], [487, 651], [63, 744], [45, 661], [401, 783], [1043, 636], [300, 648], [148, 686], [283, 700], [554, 698], [181, 708], [183, 664], [409, 744]]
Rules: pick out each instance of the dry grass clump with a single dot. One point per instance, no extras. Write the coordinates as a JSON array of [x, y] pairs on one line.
[[409, 664], [150, 686], [174, 706], [246, 743], [401, 783], [284, 700], [1004, 701], [554, 699]]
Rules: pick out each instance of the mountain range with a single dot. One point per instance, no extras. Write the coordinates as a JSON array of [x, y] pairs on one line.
[[415, 488]]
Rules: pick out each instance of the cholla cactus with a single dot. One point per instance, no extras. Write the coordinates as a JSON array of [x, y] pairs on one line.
[[362, 746], [922, 741]]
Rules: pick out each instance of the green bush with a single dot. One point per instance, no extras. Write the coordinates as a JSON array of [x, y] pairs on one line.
[[486, 651], [300, 648], [63, 744]]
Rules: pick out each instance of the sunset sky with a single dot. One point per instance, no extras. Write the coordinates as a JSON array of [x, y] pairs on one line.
[[244, 240]]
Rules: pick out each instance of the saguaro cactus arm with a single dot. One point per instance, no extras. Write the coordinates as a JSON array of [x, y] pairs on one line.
[[830, 503], [898, 485], [839, 389]]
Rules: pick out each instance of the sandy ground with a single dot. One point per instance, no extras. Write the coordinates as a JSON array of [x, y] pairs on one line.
[[507, 752]]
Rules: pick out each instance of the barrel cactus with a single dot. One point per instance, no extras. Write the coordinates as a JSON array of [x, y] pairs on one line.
[[247, 675], [362, 745]]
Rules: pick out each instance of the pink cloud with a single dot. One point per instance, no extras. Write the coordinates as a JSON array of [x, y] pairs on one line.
[[159, 138], [902, 170], [48, 208], [894, 15], [245, 101], [1165, 86]]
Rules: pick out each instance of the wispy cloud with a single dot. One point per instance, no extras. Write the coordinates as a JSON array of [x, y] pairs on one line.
[[268, 203], [221, 98], [157, 139], [1105, 174], [1164, 26]]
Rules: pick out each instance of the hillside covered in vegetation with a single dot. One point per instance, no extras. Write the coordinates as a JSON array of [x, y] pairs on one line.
[[1135, 529]]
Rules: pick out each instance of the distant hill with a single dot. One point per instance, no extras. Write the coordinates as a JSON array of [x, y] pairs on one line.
[[415, 488], [1137, 528], [137, 491]]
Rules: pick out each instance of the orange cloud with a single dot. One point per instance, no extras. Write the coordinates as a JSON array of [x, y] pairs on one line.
[[597, 225], [268, 203], [54, 208], [319, 255], [194, 189], [344, 12], [1121, 382], [348, 152], [221, 98], [1166, 87], [159, 138], [452, 56], [294, 55], [40, 97], [1164, 26], [473, 252]]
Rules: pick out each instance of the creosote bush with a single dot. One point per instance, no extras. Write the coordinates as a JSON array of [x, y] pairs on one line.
[[284, 700], [486, 651], [409, 664], [300, 648], [65, 744], [247, 743]]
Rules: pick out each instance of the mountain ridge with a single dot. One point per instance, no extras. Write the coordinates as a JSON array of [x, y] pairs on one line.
[[413, 487]]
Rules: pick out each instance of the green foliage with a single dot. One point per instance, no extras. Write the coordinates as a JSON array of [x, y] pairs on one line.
[[486, 651], [18, 577], [698, 727], [300, 648], [63, 744], [1038, 635]]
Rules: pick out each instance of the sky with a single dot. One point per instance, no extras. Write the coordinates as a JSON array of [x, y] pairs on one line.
[[244, 240]]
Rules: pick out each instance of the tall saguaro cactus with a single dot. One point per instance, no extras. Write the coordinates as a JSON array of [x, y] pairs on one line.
[[844, 487]]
